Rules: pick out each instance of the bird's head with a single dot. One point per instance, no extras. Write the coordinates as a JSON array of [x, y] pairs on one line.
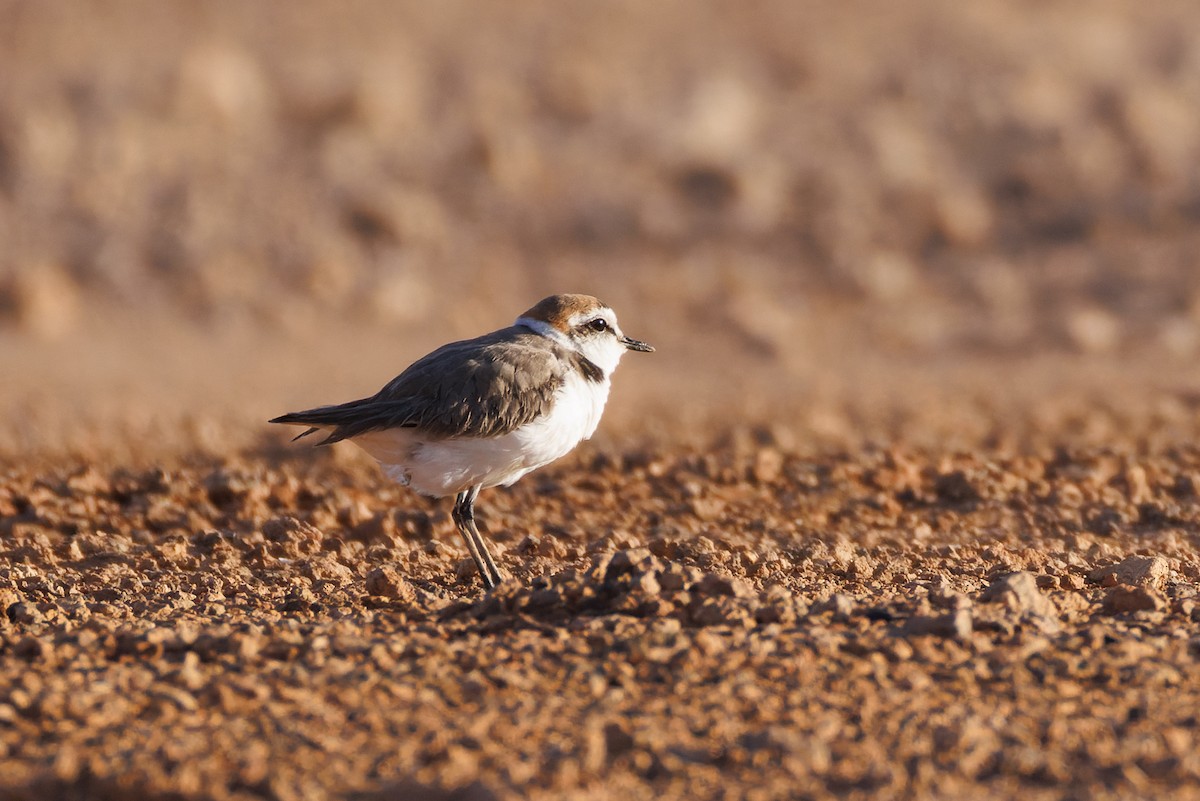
[[584, 324]]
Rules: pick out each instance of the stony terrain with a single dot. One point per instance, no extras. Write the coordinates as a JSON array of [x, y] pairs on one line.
[[906, 504], [743, 621]]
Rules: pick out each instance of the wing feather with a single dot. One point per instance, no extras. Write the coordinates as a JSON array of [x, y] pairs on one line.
[[481, 387]]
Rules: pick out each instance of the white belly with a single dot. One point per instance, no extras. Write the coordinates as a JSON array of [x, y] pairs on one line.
[[440, 467]]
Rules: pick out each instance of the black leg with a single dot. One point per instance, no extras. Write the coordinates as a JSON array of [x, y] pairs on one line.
[[467, 513], [464, 519]]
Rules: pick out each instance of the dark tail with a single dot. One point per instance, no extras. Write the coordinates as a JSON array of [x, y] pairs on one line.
[[332, 417]]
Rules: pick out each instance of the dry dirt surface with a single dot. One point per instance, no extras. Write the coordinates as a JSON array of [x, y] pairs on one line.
[[906, 504], [743, 621]]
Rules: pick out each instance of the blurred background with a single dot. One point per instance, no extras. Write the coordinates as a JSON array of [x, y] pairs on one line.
[[921, 219]]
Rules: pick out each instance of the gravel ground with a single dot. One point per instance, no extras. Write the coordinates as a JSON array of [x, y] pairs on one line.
[[743, 621], [905, 505]]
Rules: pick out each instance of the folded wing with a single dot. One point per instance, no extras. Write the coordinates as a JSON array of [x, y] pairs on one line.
[[480, 387]]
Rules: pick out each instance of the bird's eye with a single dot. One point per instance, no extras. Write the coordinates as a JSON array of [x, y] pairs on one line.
[[599, 324]]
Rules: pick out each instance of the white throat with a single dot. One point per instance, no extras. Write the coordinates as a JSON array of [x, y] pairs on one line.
[[604, 352]]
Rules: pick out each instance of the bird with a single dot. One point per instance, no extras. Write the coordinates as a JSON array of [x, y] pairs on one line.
[[483, 412]]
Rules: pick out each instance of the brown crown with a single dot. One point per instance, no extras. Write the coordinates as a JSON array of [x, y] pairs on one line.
[[557, 310]]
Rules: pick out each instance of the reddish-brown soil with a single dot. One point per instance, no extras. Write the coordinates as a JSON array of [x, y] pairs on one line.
[[905, 505], [742, 621]]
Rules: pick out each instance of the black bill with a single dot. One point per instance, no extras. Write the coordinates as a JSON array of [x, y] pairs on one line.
[[634, 344]]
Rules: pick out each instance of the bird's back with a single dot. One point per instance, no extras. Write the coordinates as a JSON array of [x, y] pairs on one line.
[[482, 387]]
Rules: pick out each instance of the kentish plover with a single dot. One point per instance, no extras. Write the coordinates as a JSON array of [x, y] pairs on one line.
[[484, 412]]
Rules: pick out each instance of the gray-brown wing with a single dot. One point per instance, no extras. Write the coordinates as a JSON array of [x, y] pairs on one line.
[[479, 387]]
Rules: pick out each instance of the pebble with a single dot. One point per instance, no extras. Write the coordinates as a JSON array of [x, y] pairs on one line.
[[713, 584], [953, 625], [1019, 593], [387, 582], [1123, 599], [842, 606], [1134, 570]]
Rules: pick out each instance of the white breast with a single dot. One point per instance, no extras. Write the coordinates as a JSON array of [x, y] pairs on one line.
[[441, 467]]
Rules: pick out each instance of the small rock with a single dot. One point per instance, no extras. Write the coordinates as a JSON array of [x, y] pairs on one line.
[[25, 614], [1124, 599], [68, 763], [1019, 592], [8, 598], [840, 604], [616, 740], [663, 548], [176, 696], [465, 570], [224, 487], [1070, 581], [380, 526], [281, 529], [768, 465], [706, 509], [87, 481], [627, 561], [1138, 484], [1134, 571], [1093, 330], [249, 645], [708, 643], [32, 648], [599, 566], [189, 672], [713, 584], [386, 582], [777, 612], [955, 487], [544, 598], [672, 578], [708, 612], [326, 568], [646, 585], [954, 625]]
